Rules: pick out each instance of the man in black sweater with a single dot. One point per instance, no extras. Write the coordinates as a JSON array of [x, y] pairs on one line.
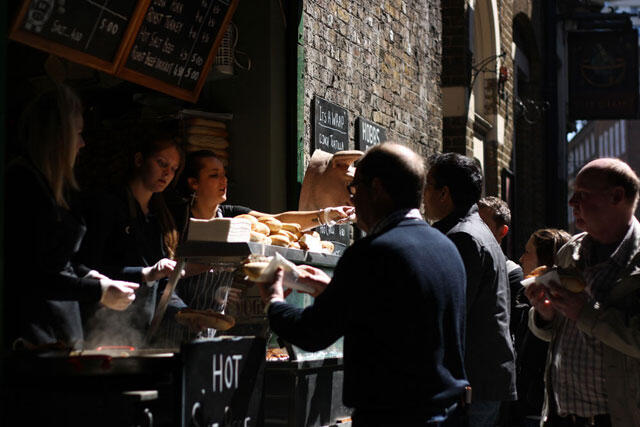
[[453, 187], [397, 296]]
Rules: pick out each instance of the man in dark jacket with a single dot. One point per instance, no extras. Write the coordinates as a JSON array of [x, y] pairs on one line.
[[402, 284], [453, 187]]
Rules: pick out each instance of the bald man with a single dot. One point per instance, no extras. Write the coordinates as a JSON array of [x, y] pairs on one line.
[[593, 370], [397, 296]]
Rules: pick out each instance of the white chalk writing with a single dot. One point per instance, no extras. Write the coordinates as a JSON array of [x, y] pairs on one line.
[[225, 372]]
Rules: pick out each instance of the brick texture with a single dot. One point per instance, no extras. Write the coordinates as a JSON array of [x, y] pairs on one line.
[[380, 60]]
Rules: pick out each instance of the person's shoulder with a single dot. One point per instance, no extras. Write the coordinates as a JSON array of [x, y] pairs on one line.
[[229, 211]]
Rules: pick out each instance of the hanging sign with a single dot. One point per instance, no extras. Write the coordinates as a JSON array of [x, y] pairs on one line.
[[603, 74]]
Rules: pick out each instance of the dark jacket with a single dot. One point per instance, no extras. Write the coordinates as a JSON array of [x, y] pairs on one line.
[[489, 355], [42, 285], [397, 297], [120, 241]]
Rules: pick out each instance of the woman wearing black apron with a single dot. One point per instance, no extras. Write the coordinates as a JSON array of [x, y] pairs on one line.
[[131, 235], [43, 230]]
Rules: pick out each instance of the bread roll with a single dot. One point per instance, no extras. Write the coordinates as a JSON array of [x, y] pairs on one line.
[[206, 318], [252, 219], [199, 121], [260, 228], [538, 271], [294, 245], [273, 224], [571, 279], [259, 238], [205, 130], [280, 240], [292, 237], [293, 228], [254, 269], [309, 242], [327, 247]]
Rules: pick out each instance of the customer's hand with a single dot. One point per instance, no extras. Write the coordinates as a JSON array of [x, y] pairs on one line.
[[313, 277], [568, 303], [537, 295], [271, 292], [116, 294]]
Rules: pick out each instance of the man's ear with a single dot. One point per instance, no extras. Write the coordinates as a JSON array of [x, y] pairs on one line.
[[618, 195], [377, 189], [504, 230], [445, 193]]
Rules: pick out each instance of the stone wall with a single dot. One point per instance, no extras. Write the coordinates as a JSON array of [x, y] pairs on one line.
[[380, 60]]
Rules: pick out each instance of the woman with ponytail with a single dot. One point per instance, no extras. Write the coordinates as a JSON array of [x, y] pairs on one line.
[[132, 235]]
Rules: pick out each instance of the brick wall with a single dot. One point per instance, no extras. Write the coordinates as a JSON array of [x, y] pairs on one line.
[[380, 60]]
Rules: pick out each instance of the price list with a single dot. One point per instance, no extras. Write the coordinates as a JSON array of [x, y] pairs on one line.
[[175, 40]]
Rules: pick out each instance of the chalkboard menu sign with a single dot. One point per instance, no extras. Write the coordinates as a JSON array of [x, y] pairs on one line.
[[369, 134], [331, 126], [167, 45], [173, 49], [85, 31], [331, 134]]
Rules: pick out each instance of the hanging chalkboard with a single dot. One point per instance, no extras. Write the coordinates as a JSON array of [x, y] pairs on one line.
[[90, 32], [369, 134], [166, 45], [175, 45]]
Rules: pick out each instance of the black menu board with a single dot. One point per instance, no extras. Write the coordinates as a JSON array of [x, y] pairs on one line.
[[331, 134], [86, 31], [175, 45], [331, 126], [369, 134], [166, 45]]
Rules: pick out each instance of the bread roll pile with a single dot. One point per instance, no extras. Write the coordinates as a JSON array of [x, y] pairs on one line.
[[270, 231], [205, 134]]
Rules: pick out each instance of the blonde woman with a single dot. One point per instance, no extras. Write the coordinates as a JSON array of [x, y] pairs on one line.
[[43, 230]]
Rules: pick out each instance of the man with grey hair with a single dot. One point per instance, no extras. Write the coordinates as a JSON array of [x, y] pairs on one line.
[[593, 369]]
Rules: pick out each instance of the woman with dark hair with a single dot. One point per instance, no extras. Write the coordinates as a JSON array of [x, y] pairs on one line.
[[43, 230], [132, 235], [542, 247], [204, 182], [531, 352]]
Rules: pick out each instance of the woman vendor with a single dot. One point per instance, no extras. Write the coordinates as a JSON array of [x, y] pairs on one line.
[[131, 234], [205, 181], [43, 230]]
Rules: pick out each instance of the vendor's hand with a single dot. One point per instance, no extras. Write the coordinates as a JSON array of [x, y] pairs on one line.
[[313, 277], [116, 294], [93, 274], [338, 214], [537, 295], [568, 303], [159, 270], [272, 291]]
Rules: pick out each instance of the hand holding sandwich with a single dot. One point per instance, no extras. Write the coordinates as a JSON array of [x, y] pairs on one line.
[[537, 295], [568, 303], [311, 276]]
